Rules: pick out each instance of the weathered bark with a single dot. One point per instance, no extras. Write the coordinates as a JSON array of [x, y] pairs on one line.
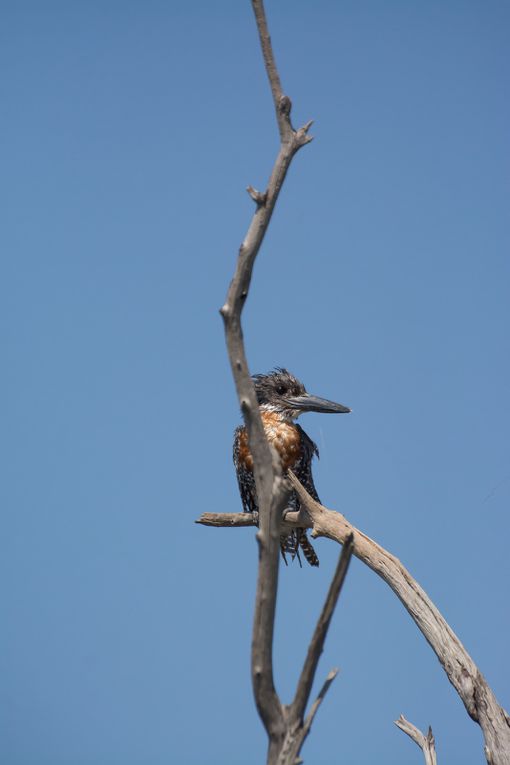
[[284, 725], [297, 727], [426, 743], [478, 698]]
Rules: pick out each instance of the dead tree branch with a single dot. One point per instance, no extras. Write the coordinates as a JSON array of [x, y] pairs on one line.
[[426, 743], [226, 520], [478, 698], [272, 491], [317, 643], [468, 681], [297, 728]]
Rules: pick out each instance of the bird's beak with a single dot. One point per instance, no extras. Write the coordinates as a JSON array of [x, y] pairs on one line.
[[307, 403]]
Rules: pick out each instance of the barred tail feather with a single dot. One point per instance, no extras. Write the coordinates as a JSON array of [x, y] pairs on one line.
[[290, 543], [306, 546]]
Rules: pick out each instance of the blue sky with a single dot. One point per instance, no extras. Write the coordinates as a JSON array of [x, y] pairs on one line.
[[130, 132]]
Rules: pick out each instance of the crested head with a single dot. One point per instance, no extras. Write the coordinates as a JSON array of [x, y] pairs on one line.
[[279, 391], [275, 388]]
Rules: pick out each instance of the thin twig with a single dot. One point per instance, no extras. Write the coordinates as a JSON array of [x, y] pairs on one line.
[[317, 642], [271, 69], [227, 519], [318, 701], [426, 743], [296, 729]]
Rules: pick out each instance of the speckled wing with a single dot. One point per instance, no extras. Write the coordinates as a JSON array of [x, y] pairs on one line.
[[303, 472], [245, 477], [303, 468]]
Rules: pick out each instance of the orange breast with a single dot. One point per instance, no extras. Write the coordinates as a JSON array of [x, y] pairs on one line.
[[245, 457], [283, 435]]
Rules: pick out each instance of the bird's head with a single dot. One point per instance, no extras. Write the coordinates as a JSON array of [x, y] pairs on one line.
[[281, 392]]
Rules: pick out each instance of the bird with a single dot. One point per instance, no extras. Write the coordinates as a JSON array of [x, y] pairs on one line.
[[282, 398]]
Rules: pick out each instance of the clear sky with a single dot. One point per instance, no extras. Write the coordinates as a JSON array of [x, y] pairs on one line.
[[129, 133]]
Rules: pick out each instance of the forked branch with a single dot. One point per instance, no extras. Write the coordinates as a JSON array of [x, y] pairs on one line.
[[426, 743], [297, 727], [477, 696], [462, 672], [317, 642]]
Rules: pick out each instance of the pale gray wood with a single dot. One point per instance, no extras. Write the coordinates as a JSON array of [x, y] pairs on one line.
[[477, 696], [468, 681], [426, 743], [297, 727], [272, 493], [272, 490], [304, 687]]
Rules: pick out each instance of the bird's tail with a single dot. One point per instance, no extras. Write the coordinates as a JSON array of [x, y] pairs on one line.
[[290, 543], [306, 546]]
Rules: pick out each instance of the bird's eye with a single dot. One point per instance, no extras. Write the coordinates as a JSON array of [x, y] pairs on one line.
[[280, 390]]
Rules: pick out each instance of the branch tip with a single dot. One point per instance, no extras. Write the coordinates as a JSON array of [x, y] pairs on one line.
[[426, 743], [259, 197], [319, 638]]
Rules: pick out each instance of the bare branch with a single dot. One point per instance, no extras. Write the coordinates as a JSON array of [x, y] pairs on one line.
[[426, 743], [317, 642], [478, 698], [266, 697], [272, 490], [318, 701], [282, 103], [462, 672], [227, 519], [296, 730], [271, 498], [241, 520]]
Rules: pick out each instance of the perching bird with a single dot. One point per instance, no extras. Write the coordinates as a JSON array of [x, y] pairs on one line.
[[282, 398]]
